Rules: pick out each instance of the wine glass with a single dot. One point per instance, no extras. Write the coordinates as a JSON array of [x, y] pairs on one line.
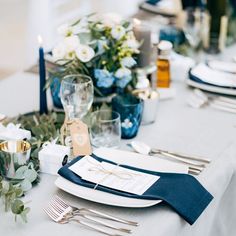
[[76, 95]]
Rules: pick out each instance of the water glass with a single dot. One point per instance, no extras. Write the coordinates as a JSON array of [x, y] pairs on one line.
[[76, 95], [130, 109], [105, 129]]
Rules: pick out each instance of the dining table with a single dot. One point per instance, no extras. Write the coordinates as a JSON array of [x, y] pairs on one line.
[[206, 132]]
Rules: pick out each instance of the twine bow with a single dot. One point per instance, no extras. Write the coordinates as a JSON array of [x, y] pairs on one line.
[[118, 173]]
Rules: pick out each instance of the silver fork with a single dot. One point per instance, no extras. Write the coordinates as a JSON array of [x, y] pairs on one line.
[[68, 212], [62, 219], [76, 210]]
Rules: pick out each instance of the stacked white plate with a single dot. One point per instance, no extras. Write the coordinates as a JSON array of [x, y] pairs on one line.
[[215, 76]]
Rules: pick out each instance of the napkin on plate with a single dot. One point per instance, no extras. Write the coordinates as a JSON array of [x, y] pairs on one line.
[[181, 191]]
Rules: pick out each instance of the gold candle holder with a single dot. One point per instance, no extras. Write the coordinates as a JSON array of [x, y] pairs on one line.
[[13, 154]]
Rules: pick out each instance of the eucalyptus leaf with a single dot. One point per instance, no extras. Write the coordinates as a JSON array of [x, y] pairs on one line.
[[17, 206], [26, 185], [24, 214], [20, 172], [43, 128], [18, 192], [23, 217], [31, 175]]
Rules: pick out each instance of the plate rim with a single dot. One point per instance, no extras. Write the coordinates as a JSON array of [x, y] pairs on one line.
[[142, 203]]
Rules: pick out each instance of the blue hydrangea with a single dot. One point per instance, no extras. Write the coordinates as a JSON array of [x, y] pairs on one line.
[[104, 78], [122, 82]]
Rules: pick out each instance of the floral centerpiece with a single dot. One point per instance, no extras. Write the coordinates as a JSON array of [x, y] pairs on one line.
[[102, 47]]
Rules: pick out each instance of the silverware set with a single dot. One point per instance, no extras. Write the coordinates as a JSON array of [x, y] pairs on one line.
[[61, 212], [198, 99], [195, 164]]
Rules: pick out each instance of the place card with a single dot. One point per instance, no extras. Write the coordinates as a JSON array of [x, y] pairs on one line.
[[113, 176]]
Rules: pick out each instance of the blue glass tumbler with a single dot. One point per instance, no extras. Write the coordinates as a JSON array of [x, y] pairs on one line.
[[130, 109]]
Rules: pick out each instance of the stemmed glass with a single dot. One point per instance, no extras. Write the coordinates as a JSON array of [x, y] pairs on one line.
[[195, 30], [76, 96]]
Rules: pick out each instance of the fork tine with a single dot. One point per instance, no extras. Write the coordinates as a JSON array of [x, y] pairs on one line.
[[62, 205], [61, 201], [56, 208], [51, 214]]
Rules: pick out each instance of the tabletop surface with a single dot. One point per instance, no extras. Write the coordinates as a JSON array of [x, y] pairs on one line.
[[205, 131]]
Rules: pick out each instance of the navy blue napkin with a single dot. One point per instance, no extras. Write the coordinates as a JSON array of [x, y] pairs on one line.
[[181, 191], [152, 2]]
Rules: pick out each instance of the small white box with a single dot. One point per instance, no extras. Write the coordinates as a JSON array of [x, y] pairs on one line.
[[51, 158], [13, 132]]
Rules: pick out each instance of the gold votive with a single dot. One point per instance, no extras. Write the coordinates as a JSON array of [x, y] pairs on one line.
[[13, 154]]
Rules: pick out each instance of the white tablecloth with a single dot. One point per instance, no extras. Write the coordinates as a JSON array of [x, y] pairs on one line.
[[206, 132]]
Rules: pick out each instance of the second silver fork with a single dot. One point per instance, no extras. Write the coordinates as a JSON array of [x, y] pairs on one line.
[[77, 210], [69, 213]]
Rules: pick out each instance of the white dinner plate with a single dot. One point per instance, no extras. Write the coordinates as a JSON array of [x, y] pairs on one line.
[[102, 197], [213, 77], [122, 157], [210, 88]]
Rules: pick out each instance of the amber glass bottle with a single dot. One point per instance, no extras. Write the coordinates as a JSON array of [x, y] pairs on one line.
[[163, 64]]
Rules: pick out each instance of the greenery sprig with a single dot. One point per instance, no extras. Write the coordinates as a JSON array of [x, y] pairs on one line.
[[43, 128]]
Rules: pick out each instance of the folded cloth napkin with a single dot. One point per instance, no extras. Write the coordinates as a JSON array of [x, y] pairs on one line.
[[153, 2], [181, 191]]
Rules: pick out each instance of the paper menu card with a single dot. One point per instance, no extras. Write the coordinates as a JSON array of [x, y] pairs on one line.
[[113, 176]]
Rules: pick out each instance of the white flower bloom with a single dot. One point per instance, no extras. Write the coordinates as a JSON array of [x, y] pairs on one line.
[[59, 51], [64, 30], [123, 72], [102, 45], [70, 55], [84, 53], [111, 19], [128, 62], [118, 32], [100, 26], [131, 43], [81, 27], [71, 43]]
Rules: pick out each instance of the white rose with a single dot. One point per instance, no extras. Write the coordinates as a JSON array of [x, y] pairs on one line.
[[84, 53], [118, 32], [128, 62], [70, 56], [64, 30], [122, 72], [71, 43], [59, 51]]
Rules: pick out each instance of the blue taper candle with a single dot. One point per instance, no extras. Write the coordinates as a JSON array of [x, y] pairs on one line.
[[42, 75]]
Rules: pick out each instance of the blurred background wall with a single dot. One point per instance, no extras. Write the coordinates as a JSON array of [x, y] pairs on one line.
[[22, 20]]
